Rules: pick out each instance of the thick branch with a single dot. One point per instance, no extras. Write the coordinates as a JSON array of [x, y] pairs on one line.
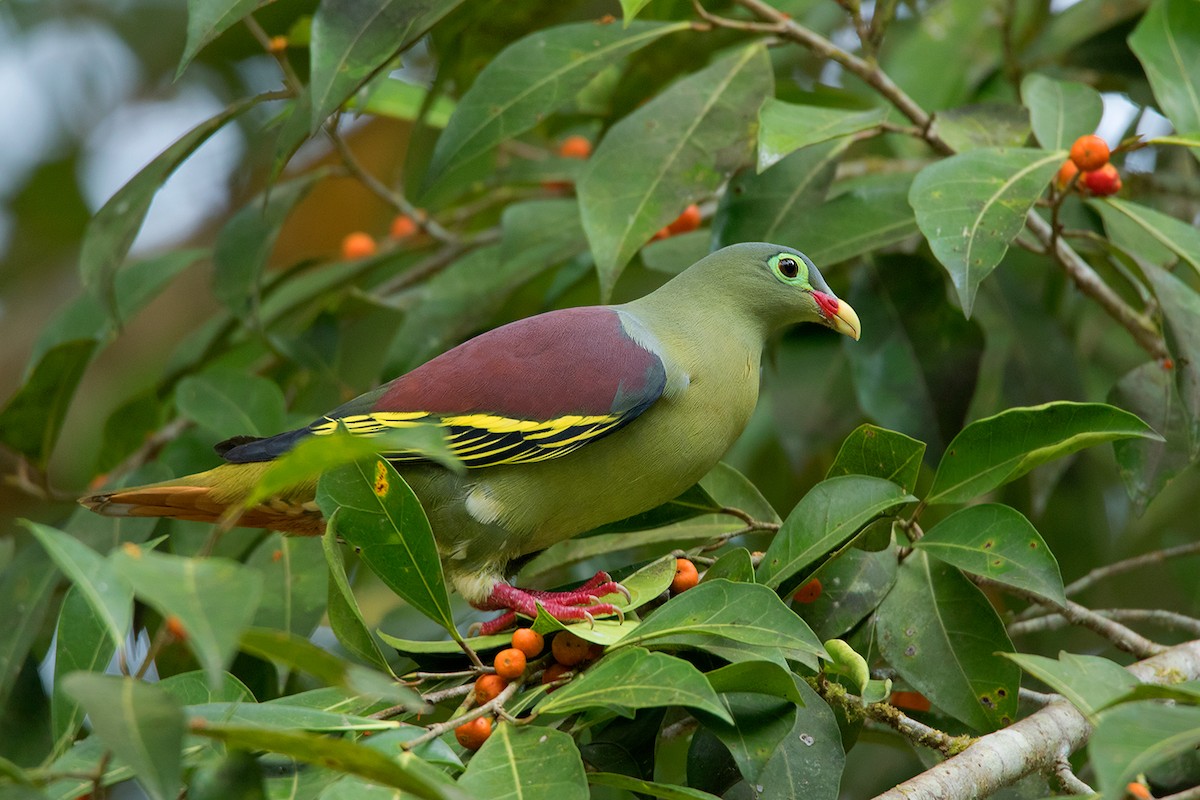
[[1032, 744]]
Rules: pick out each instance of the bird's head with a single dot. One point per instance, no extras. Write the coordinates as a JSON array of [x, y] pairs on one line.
[[777, 284]]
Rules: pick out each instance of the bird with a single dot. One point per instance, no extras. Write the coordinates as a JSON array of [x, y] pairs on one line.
[[565, 421]]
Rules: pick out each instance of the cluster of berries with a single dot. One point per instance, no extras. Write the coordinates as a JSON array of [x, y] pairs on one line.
[[360, 244], [1090, 168]]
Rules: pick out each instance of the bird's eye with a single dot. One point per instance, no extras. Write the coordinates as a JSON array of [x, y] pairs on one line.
[[788, 267]]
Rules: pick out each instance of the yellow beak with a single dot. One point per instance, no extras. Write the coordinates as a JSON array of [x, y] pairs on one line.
[[846, 321]]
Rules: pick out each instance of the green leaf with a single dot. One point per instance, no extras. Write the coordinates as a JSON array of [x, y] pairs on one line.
[[1160, 229], [1089, 682], [759, 207], [733, 566], [403, 770], [192, 688], [300, 467], [208, 19], [140, 723], [345, 617], [109, 595], [755, 677], [746, 613], [760, 726], [82, 643], [784, 128], [1167, 42], [282, 716], [971, 206], [1180, 305], [1149, 465], [112, 230], [229, 402], [352, 40], [32, 420], [983, 125], [236, 776], [214, 599], [665, 791], [870, 214], [531, 79], [672, 151], [880, 453], [630, 9], [731, 488], [526, 762], [827, 516], [999, 543], [246, 241], [631, 678], [1136, 737], [394, 98], [26, 586], [1061, 111], [944, 638], [378, 513], [853, 583], [991, 452], [810, 760], [293, 570], [418, 647]]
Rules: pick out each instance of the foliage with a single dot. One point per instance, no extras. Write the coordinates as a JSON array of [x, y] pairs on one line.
[[915, 167]]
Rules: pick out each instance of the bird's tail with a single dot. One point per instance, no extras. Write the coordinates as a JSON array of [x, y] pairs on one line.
[[215, 496]]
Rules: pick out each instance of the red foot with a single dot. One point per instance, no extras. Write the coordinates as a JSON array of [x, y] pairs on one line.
[[571, 606]]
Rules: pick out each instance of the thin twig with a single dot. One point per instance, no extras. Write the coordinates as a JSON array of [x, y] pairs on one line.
[[1130, 564], [1055, 621], [437, 729]]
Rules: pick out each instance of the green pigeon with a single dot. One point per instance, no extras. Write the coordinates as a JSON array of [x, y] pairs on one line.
[[565, 421]]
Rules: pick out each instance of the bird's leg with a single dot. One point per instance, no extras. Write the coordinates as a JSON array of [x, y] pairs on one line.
[[569, 606]]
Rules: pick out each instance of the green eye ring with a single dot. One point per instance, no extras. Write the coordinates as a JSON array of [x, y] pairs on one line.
[[790, 269]]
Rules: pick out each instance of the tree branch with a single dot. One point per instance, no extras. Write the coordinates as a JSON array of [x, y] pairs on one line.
[[1032, 744], [1055, 621]]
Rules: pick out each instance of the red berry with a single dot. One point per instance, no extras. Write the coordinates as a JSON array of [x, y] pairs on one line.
[[1102, 182], [809, 592], [175, 628], [575, 147], [403, 226], [1089, 152], [553, 673], [687, 222], [473, 734], [569, 649], [358, 245], [913, 701], [1168, 364]]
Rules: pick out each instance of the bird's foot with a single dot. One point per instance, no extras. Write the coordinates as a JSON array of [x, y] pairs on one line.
[[570, 606]]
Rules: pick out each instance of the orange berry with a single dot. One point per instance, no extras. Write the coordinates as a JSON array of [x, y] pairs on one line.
[[809, 592], [686, 576], [528, 641], [473, 734], [487, 687], [175, 628], [1089, 152], [913, 701], [358, 245], [553, 673], [569, 649], [594, 651], [403, 226], [277, 44], [509, 663], [1102, 182], [662, 233], [1168, 364], [1138, 791], [1066, 173], [575, 147], [687, 222]]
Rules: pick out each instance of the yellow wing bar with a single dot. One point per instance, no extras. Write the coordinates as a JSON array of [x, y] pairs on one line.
[[485, 440]]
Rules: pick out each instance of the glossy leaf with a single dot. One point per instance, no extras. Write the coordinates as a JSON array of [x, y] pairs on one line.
[[214, 599], [944, 638], [760, 725], [208, 19], [82, 644], [282, 716], [993, 451], [345, 617], [731, 488], [191, 688], [1167, 42], [378, 513], [1149, 465], [664, 791], [525, 762], [32, 419], [755, 677], [113, 228], [140, 723], [529, 80], [880, 453], [405, 771], [734, 565], [1061, 111], [982, 125], [737, 612], [972, 205], [1089, 682], [827, 516], [784, 128], [293, 571], [106, 591], [26, 586], [1180, 305], [245, 242], [997, 542], [758, 207], [673, 150], [810, 760], [1133, 738], [418, 647], [229, 402], [853, 584], [1176, 236], [633, 678], [352, 40]]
